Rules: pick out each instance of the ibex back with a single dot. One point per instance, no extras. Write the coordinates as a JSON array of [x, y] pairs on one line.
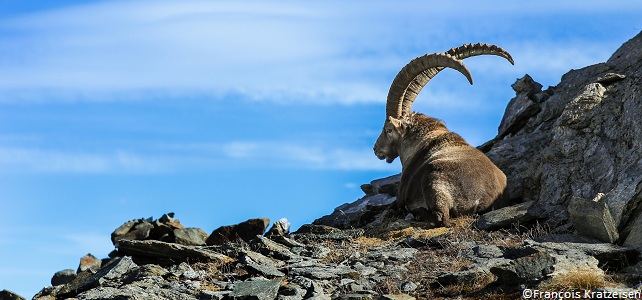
[[442, 175]]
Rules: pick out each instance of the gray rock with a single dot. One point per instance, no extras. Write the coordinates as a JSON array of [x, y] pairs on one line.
[[610, 256], [190, 236], [9, 295], [291, 291], [265, 270], [286, 241], [325, 272], [609, 78], [213, 295], [133, 292], [63, 277], [260, 290], [109, 275], [488, 251], [522, 107], [633, 231], [314, 290], [244, 231], [472, 272], [356, 297], [123, 229], [133, 230], [396, 297], [272, 249], [388, 185], [585, 139], [593, 219], [153, 248], [408, 286], [505, 216], [352, 215], [148, 270], [527, 269], [396, 254]]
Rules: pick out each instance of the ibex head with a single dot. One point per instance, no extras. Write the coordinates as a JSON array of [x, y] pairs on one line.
[[409, 82]]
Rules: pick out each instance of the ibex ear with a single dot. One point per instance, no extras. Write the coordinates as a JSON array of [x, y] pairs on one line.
[[397, 123]]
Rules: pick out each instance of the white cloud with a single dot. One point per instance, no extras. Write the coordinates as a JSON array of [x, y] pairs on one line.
[[340, 52], [19, 159], [187, 157]]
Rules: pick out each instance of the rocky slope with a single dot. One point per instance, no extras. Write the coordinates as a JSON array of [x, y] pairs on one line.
[[573, 159]]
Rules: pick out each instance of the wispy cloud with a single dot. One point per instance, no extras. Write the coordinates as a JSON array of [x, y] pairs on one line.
[[190, 157], [346, 52]]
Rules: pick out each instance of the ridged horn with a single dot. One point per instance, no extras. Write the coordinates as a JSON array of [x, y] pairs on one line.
[[395, 104], [459, 53]]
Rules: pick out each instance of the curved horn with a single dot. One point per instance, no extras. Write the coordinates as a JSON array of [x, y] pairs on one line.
[[395, 105], [460, 53]]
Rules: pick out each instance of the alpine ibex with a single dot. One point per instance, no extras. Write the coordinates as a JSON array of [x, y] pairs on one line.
[[442, 175]]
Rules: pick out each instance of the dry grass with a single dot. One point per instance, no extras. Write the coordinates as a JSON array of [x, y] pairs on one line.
[[577, 280]]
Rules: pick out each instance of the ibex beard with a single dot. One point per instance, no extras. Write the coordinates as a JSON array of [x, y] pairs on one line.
[[442, 175]]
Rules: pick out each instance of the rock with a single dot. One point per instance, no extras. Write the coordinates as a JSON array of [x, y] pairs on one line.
[[396, 297], [634, 233], [153, 248], [325, 272], [632, 273], [244, 231], [388, 185], [109, 274], [397, 254], [609, 78], [139, 231], [279, 228], [272, 249], [310, 233], [488, 251], [143, 291], [89, 263], [285, 241], [260, 264], [122, 230], [190, 236], [522, 107], [63, 277], [291, 291], [148, 270], [9, 295], [593, 219], [317, 229], [472, 272], [354, 214], [505, 216], [585, 139], [214, 295], [527, 269], [313, 289], [260, 290], [408, 286], [610, 256]]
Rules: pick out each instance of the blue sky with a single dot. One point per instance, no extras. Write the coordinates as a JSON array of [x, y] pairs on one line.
[[221, 111]]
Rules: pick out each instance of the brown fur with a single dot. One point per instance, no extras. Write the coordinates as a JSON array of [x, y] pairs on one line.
[[442, 176]]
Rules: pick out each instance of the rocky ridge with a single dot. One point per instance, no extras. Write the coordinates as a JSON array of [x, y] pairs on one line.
[[571, 154]]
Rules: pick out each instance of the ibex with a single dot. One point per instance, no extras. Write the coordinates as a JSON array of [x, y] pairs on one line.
[[442, 175]]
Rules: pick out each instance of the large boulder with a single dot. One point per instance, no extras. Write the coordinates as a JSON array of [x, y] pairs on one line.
[[576, 140]]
